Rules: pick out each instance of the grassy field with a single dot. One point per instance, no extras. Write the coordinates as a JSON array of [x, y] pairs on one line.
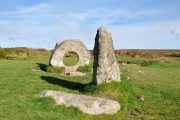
[[156, 80]]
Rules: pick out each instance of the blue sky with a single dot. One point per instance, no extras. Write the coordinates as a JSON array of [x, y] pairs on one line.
[[134, 24]]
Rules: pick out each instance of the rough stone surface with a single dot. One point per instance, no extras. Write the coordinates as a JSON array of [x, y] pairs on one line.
[[70, 46], [106, 68], [87, 104]]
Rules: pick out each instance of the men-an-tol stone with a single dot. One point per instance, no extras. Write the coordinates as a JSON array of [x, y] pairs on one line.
[[106, 68], [66, 46]]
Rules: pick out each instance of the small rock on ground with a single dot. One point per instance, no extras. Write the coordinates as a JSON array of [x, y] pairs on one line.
[[76, 73]]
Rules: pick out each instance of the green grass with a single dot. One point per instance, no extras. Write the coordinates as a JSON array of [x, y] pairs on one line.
[[53, 69], [70, 60], [85, 68], [22, 80]]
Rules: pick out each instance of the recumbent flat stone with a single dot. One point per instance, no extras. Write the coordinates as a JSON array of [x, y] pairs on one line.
[[87, 104]]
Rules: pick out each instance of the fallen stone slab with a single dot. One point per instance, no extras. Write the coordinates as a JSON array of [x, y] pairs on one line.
[[87, 104]]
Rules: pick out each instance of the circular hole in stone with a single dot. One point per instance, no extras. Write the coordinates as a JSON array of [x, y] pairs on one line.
[[70, 58]]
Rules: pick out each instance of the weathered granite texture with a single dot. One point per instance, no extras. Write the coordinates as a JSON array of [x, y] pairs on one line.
[[70, 46], [106, 68], [87, 104]]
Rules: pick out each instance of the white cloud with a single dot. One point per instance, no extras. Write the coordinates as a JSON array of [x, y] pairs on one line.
[[176, 32], [105, 16], [27, 10], [36, 8], [146, 35], [44, 29], [14, 37]]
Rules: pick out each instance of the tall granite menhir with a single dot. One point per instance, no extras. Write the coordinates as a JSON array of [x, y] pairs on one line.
[[105, 68]]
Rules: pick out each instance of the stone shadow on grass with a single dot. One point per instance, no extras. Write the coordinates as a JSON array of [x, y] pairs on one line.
[[42, 66], [65, 83]]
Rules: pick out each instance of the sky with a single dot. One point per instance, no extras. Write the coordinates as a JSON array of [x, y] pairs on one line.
[[134, 24]]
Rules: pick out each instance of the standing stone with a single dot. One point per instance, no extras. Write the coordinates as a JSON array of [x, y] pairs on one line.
[[106, 68]]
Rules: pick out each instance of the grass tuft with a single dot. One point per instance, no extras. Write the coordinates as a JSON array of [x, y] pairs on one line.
[[85, 68], [53, 69]]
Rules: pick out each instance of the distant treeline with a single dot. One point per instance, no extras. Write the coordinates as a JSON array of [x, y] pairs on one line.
[[148, 53], [145, 53], [8, 53]]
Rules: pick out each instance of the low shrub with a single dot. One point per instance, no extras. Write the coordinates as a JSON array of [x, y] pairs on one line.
[[147, 63], [175, 54], [143, 63], [9, 57], [2, 53], [90, 88], [52, 69]]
